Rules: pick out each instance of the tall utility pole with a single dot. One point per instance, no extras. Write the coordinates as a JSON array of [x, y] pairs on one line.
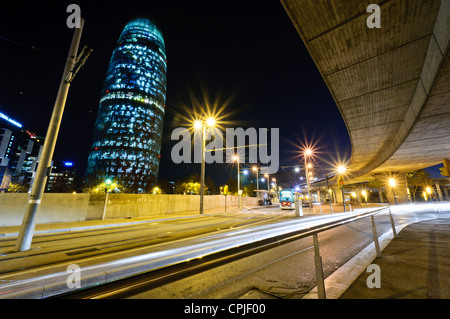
[[308, 184], [329, 194], [236, 158], [43, 171], [202, 176]]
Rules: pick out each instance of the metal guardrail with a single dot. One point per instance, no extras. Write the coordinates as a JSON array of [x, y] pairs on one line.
[[139, 283]]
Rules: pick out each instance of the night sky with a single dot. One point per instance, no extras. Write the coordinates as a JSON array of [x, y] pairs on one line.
[[248, 50]]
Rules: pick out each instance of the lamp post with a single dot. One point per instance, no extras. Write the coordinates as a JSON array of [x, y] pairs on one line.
[[255, 169], [268, 181], [308, 152], [364, 193], [341, 170], [199, 125], [393, 183], [108, 183], [428, 189], [236, 159], [329, 193], [28, 225]]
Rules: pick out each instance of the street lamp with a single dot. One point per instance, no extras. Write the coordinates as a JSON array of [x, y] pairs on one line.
[[200, 125], [307, 153], [393, 183], [341, 171], [255, 169], [364, 193], [428, 189], [108, 183], [236, 159]]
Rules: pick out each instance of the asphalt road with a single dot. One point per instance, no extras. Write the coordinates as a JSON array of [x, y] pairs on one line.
[[65, 246], [286, 272]]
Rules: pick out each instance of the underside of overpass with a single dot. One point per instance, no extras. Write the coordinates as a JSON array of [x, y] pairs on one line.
[[391, 84]]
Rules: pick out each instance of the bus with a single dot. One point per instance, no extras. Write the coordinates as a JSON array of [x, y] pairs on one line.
[[287, 199]]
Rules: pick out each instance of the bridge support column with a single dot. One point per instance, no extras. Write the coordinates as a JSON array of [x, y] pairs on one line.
[[337, 192], [438, 190]]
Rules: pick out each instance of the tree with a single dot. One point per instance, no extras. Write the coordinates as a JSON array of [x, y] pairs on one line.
[[190, 185], [418, 179], [97, 185], [249, 190], [17, 188], [232, 185]]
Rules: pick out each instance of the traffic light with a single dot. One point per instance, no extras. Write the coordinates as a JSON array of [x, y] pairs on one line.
[[340, 182], [445, 171], [225, 190]]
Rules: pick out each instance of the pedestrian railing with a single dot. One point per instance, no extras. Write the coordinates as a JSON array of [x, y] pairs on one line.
[[318, 259]]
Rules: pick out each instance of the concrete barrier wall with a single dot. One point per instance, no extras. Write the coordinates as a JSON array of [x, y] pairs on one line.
[[54, 208], [80, 207]]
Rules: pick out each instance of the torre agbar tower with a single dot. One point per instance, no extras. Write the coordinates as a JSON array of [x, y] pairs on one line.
[[128, 130]]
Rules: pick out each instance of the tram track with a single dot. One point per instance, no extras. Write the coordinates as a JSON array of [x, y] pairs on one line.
[[64, 247]]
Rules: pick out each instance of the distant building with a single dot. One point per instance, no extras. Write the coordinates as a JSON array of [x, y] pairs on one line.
[[128, 130], [5, 179], [19, 152], [62, 178]]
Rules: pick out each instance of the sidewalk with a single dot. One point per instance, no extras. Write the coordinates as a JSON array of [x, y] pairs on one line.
[[414, 265]]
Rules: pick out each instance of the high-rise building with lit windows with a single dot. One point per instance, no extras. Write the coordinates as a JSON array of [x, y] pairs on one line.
[[128, 130]]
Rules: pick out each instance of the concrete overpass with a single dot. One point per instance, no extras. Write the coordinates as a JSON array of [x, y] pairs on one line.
[[391, 84]]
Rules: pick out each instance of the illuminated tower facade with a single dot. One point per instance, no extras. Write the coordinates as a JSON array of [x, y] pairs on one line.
[[128, 130]]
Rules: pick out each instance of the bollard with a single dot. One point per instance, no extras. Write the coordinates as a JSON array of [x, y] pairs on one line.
[[319, 269], [298, 208], [375, 237], [392, 223]]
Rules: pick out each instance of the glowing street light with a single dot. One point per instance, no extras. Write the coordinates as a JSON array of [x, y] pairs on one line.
[[307, 153], [393, 183], [341, 169], [201, 125], [255, 169], [108, 184], [364, 193], [211, 122], [429, 191], [198, 125], [236, 159]]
